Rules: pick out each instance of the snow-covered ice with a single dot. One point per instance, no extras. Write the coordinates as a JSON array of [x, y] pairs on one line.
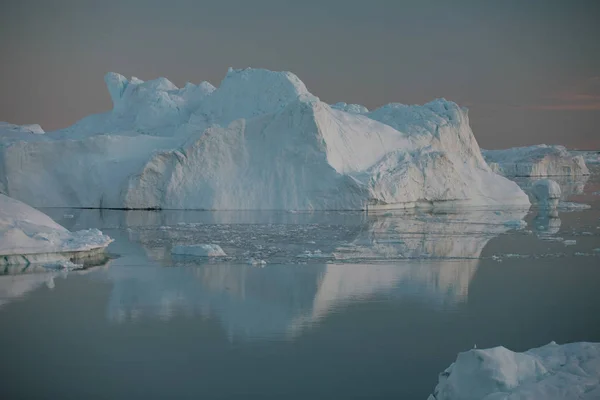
[[199, 250], [540, 160], [260, 140], [558, 372], [29, 236]]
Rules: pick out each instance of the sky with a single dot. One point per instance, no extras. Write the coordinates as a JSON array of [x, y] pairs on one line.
[[529, 71]]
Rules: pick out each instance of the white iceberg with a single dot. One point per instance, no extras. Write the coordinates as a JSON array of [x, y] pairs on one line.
[[569, 371], [30, 236], [259, 141], [540, 160]]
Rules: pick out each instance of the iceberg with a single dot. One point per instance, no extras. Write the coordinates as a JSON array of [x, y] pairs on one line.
[[540, 160], [260, 141], [546, 193], [569, 371], [28, 236]]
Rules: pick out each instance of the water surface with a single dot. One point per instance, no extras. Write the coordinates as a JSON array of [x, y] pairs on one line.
[[349, 305]]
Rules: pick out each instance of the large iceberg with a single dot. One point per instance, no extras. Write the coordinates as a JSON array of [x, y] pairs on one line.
[[540, 160], [29, 236], [259, 141], [569, 371]]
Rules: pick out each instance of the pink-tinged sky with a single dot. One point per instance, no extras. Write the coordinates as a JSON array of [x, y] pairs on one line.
[[529, 71]]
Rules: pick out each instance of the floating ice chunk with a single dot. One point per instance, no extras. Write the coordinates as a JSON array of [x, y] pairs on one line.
[[256, 262], [28, 236], [559, 372], [546, 193], [199, 250], [540, 160], [570, 242]]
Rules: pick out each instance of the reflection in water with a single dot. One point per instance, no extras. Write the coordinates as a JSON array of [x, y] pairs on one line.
[[292, 293], [17, 280], [546, 223], [436, 257]]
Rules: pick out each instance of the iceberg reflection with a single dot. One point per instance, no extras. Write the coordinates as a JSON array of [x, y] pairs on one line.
[[425, 257], [436, 256]]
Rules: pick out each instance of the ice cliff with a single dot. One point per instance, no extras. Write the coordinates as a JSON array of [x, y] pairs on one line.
[[259, 141], [569, 371], [29, 236], [540, 160]]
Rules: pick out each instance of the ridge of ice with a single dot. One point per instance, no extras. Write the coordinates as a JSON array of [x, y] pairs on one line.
[[259, 141], [539, 160], [350, 108]]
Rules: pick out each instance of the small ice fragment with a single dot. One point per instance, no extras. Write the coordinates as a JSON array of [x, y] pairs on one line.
[[570, 242], [596, 250], [254, 261], [199, 250], [68, 216]]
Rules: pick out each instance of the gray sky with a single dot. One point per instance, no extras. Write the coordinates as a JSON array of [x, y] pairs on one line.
[[529, 70]]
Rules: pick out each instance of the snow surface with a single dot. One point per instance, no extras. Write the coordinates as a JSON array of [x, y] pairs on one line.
[[540, 160], [199, 250], [569, 371], [28, 235], [259, 141]]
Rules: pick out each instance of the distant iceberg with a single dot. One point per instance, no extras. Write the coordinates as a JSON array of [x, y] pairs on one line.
[[540, 160], [560, 372], [259, 141], [28, 236]]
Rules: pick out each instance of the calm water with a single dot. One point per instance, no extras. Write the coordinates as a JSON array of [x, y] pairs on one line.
[[348, 305]]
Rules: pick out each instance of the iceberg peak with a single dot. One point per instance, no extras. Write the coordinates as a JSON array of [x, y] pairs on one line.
[[116, 84]]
